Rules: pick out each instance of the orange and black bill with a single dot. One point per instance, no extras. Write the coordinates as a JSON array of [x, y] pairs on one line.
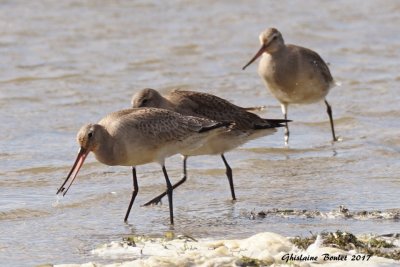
[[74, 171], [257, 55]]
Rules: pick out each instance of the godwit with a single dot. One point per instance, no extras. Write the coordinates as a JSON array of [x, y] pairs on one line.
[[247, 125], [134, 137], [293, 74]]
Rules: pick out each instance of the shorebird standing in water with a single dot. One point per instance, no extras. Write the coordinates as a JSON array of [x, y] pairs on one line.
[[247, 125], [293, 74], [134, 137]]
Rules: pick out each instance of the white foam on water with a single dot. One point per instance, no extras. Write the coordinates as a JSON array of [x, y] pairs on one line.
[[270, 248], [316, 245]]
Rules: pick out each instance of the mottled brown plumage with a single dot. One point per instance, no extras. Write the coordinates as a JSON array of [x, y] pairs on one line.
[[293, 74], [203, 105], [247, 125], [138, 136]]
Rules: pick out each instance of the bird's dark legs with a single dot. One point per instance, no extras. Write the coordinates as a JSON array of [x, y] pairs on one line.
[[229, 175], [284, 111], [134, 193], [169, 192], [157, 199], [329, 110]]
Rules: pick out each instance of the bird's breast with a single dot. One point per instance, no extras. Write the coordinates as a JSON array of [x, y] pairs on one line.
[[289, 83]]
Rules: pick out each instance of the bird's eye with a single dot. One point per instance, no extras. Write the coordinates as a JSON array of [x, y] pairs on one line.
[[275, 37], [144, 101], [90, 134]]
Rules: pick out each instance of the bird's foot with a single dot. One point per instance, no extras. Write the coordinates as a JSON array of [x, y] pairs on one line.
[[154, 201], [337, 139], [286, 139]]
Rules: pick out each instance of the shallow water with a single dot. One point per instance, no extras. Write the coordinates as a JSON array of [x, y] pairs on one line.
[[67, 63]]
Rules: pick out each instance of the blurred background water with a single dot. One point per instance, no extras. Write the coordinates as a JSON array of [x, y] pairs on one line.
[[67, 63]]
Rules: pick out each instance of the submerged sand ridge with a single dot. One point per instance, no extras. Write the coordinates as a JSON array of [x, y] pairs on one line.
[[341, 212]]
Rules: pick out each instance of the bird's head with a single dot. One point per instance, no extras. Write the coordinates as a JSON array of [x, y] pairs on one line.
[[271, 40], [147, 98]]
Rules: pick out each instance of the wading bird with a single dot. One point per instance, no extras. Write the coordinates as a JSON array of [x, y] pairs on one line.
[[247, 125], [293, 74], [138, 136]]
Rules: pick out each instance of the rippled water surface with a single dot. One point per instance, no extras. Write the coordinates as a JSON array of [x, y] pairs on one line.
[[66, 63]]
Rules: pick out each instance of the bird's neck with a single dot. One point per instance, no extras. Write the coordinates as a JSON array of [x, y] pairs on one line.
[[165, 103], [107, 147], [278, 50]]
